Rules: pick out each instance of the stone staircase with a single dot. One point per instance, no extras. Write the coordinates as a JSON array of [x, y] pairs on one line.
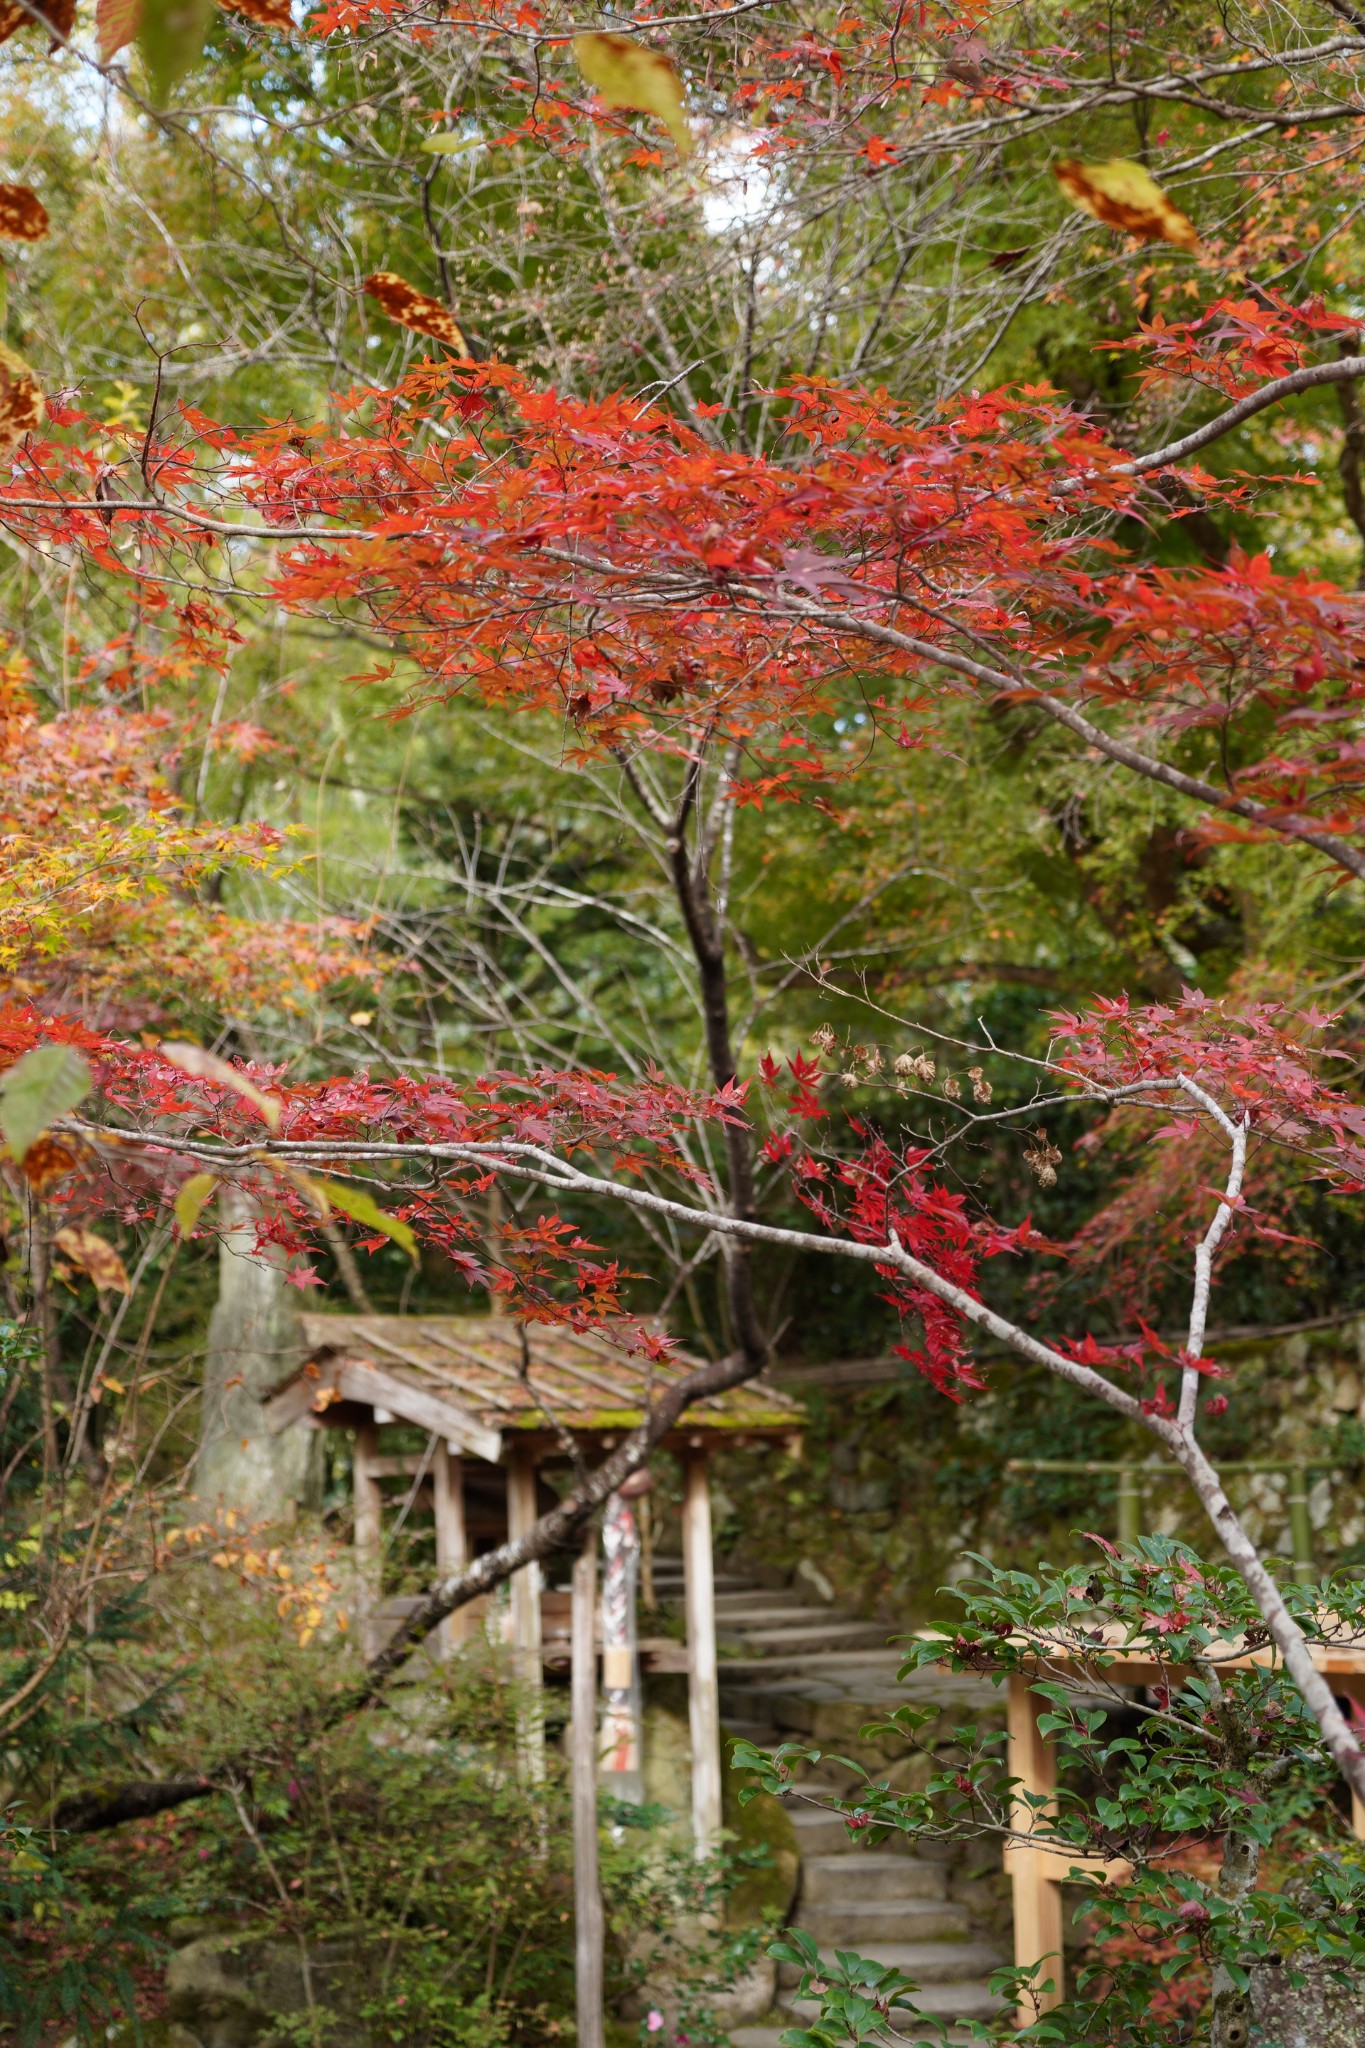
[[793, 1668]]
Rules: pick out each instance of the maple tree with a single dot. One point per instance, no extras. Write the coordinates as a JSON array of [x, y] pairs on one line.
[[695, 583]]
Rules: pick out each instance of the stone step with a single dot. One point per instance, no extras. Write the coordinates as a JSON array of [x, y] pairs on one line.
[[860, 1662], [929, 1963], [762, 1733], [741, 1617], [766, 1596], [670, 1579], [894, 1920], [870, 1878], [819, 1834], [820, 1634]]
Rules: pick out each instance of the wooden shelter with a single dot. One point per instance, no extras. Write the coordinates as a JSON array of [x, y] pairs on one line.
[[1037, 1875], [495, 1399]]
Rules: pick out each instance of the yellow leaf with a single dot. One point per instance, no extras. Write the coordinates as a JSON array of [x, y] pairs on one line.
[[449, 142], [1124, 196], [114, 1386], [362, 1208], [190, 1200], [206, 1066], [630, 75], [87, 1250]]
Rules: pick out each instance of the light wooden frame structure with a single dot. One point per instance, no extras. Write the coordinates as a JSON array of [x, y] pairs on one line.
[[1037, 1875], [495, 1392]]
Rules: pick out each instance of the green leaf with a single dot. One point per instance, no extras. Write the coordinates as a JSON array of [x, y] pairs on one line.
[[362, 1208], [171, 38], [450, 142], [43, 1085], [191, 1198]]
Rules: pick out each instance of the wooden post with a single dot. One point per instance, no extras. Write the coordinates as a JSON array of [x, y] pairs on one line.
[[588, 1921], [521, 1518], [703, 1689], [1037, 1895], [369, 1529], [1354, 1688], [452, 1551], [369, 1501]]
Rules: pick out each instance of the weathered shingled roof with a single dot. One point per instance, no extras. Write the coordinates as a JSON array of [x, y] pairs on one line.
[[462, 1375]]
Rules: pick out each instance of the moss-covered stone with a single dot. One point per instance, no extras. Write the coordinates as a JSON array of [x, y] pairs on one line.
[[765, 1894], [235, 1990]]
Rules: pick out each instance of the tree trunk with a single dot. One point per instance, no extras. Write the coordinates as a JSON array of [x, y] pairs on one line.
[[1231, 2017], [254, 1342]]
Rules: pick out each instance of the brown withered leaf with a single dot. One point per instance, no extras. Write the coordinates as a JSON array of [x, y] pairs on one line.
[[21, 401], [47, 1161], [411, 308], [86, 1249], [1124, 195], [1005, 259], [23, 217], [59, 15], [269, 13]]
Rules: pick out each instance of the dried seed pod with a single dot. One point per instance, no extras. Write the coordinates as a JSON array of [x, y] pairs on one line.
[[1042, 1159]]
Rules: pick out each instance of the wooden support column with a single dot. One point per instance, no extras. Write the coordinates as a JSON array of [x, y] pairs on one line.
[[452, 1548], [369, 1528], [1037, 1894], [703, 1688], [588, 1918], [1354, 1689], [521, 1518]]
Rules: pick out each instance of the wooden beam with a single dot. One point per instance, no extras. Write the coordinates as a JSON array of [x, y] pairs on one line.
[[521, 1518], [703, 1685], [1033, 1872], [452, 1541], [360, 1379], [588, 1917]]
